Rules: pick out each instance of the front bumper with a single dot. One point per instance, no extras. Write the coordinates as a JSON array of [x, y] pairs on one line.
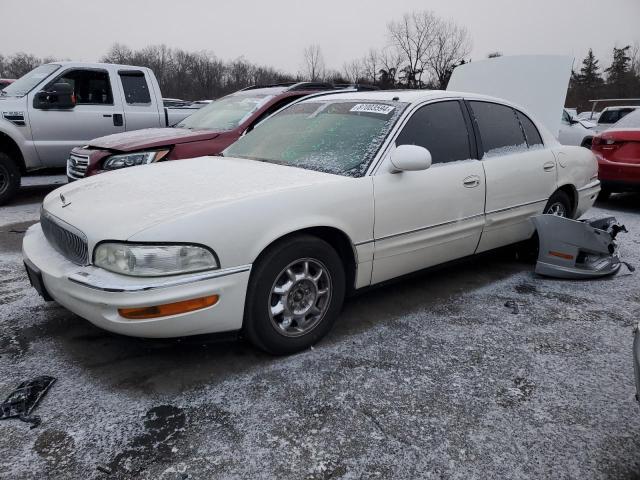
[[96, 295]]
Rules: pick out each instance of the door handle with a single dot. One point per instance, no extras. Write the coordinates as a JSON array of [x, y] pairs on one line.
[[471, 181], [549, 166]]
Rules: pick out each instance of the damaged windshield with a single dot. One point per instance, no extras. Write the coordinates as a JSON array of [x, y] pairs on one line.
[[339, 137], [226, 113]]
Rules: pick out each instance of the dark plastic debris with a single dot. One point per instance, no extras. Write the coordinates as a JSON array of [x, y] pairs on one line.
[[515, 309], [21, 402]]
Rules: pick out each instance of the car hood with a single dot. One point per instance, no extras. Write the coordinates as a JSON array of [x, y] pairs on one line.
[[119, 204], [151, 138]]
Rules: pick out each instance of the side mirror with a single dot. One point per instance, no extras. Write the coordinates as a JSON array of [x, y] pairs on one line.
[[406, 158], [59, 96]]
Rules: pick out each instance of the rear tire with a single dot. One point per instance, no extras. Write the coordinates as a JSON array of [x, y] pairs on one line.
[[9, 178], [294, 296], [559, 204]]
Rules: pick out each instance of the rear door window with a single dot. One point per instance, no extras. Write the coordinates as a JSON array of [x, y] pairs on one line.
[[440, 128], [499, 128], [135, 87], [534, 139]]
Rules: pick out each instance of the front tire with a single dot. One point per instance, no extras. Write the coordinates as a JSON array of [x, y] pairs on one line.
[[294, 296], [9, 178], [559, 204]]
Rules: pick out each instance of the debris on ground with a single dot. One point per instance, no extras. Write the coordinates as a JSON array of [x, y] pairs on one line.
[[513, 305], [21, 402], [576, 249]]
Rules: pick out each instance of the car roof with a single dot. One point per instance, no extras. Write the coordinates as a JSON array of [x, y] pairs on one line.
[[258, 92], [409, 96]]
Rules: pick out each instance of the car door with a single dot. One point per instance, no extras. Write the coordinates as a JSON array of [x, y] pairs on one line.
[[427, 217], [55, 131], [141, 106], [520, 172]]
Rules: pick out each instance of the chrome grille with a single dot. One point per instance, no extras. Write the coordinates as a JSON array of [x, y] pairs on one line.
[[67, 240], [77, 166]]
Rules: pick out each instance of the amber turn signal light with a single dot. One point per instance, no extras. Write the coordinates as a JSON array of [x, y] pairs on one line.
[[143, 313], [565, 256]]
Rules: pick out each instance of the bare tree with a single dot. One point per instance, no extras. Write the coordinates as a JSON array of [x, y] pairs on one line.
[[635, 59], [413, 37], [495, 54], [313, 63], [353, 71], [450, 47], [390, 62], [118, 53], [18, 64], [371, 65]]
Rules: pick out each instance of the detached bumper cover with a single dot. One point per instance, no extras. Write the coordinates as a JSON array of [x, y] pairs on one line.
[[577, 249], [96, 295]]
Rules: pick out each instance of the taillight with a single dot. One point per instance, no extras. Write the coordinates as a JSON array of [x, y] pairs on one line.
[[606, 143]]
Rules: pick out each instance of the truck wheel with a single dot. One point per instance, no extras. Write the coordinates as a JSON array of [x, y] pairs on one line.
[[294, 296], [9, 178]]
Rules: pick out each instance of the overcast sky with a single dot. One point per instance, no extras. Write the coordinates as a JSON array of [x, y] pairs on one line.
[[274, 32]]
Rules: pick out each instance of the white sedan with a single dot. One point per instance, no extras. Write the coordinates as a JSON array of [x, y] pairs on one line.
[[332, 194]]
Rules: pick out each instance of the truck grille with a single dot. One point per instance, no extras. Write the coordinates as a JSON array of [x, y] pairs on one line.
[[77, 166], [67, 240]]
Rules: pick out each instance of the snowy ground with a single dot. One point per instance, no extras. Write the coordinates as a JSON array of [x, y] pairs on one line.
[[431, 377]]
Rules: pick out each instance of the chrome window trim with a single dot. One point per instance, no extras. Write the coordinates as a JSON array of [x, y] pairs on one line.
[[84, 279]]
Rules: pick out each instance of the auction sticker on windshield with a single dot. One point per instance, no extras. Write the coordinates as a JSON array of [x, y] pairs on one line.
[[373, 108]]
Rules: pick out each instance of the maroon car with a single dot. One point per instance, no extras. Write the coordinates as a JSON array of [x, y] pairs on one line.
[[208, 131], [5, 82]]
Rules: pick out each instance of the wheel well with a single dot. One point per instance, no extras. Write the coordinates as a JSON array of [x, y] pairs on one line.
[[8, 146], [338, 240], [573, 196], [587, 142]]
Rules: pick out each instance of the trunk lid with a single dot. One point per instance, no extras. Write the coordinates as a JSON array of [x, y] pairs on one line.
[[537, 82]]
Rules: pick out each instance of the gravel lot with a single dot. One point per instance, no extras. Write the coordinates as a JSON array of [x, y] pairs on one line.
[[430, 377]]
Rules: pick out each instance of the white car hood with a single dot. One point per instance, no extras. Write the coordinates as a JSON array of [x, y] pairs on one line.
[[119, 204], [536, 82]]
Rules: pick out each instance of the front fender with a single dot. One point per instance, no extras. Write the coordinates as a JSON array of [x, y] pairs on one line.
[[239, 231]]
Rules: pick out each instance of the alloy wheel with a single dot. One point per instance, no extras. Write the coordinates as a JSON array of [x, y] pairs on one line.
[[557, 209], [300, 297]]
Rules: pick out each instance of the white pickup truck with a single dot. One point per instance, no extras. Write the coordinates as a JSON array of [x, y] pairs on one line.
[[58, 106]]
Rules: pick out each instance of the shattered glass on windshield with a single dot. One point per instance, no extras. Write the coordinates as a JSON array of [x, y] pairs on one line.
[[340, 137]]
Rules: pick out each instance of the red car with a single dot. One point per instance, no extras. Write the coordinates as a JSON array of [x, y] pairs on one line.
[[5, 82], [207, 131], [618, 153]]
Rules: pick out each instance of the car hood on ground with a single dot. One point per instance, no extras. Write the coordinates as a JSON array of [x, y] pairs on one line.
[[117, 205], [151, 138]]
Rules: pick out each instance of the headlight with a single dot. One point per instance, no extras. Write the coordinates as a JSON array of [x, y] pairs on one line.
[[133, 159], [143, 260]]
